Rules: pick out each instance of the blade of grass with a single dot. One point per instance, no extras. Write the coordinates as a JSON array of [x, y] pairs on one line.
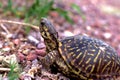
[[79, 11], [64, 14], [12, 75]]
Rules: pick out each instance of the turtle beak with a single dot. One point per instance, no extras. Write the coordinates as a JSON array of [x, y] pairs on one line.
[[42, 22]]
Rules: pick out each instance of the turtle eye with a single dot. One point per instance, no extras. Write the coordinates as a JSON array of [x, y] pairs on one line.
[[42, 23]]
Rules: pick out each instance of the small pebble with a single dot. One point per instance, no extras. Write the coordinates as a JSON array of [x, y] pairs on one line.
[[68, 33], [7, 49], [88, 28], [107, 35], [9, 35], [33, 40], [41, 46], [1, 44], [21, 56], [31, 56], [41, 52], [16, 41]]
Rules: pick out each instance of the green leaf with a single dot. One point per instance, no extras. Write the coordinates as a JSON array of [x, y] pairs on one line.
[[64, 14], [12, 75], [79, 11], [40, 8], [1, 4]]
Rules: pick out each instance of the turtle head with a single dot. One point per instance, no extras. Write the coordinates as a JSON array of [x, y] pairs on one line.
[[49, 34]]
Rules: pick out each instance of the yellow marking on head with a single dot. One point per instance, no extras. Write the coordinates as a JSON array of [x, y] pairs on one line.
[[60, 51], [50, 56], [46, 29], [43, 33], [60, 44]]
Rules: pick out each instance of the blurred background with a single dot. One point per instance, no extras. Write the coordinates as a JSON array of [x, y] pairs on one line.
[[23, 43], [96, 18]]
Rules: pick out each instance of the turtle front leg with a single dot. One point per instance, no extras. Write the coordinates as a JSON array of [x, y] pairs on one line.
[[49, 59], [55, 60]]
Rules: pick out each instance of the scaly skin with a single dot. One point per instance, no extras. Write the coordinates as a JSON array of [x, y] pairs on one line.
[[79, 57]]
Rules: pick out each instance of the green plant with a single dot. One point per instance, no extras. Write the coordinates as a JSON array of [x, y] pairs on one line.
[[10, 8], [79, 11], [0, 4], [64, 14], [39, 9], [13, 75]]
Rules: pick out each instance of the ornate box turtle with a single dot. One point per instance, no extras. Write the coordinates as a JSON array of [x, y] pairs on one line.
[[79, 57]]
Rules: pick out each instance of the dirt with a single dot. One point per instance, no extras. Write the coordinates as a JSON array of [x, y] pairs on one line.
[[97, 18]]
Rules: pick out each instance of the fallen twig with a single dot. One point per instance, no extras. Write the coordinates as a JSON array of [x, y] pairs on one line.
[[6, 30], [5, 69], [20, 23]]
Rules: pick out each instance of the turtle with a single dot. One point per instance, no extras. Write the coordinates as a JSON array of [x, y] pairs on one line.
[[79, 57]]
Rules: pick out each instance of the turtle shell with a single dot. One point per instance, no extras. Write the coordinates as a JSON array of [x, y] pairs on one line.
[[89, 58]]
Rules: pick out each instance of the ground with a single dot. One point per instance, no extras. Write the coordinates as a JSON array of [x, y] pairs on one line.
[[95, 18]]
